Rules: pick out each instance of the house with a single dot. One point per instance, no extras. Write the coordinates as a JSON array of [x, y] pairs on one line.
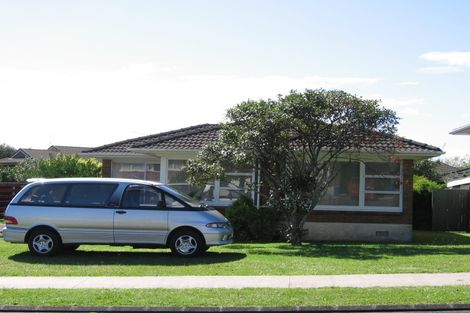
[[460, 179], [23, 154], [369, 200]]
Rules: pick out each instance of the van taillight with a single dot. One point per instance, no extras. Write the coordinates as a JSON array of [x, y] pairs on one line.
[[10, 220]]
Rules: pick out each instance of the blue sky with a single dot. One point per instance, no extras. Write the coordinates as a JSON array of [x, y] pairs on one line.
[[93, 72]]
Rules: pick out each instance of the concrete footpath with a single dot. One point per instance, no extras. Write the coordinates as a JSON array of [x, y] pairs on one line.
[[316, 281]]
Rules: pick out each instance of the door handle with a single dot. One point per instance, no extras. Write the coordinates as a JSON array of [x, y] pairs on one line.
[[121, 212]]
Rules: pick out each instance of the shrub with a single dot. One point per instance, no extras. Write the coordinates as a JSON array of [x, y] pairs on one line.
[[422, 184], [59, 166], [251, 223]]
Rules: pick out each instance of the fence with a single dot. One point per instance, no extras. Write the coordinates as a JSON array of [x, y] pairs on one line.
[[7, 192], [450, 210]]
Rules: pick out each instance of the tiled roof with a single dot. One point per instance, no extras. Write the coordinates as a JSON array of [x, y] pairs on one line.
[[39, 153], [189, 138], [196, 137], [68, 150]]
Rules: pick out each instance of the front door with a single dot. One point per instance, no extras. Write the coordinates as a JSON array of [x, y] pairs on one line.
[[142, 217]]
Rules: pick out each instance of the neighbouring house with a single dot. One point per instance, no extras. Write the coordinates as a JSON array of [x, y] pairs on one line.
[[369, 200], [460, 179], [24, 154]]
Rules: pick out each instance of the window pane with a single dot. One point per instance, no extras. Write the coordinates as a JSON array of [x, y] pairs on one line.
[[344, 190], [153, 172], [175, 173], [187, 190], [378, 168], [44, 194], [207, 193], [383, 184], [381, 200], [128, 170], [232, 194], [171, 202], [236, 182], [89, 194], [142, 197]]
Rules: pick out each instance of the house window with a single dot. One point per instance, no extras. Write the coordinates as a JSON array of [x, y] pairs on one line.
[[235, 184], [382, 184], [370, 186], [177, 178], [344, 189], [147, 171]]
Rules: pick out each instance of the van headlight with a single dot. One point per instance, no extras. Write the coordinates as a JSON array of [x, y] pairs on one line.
[[218, 225]]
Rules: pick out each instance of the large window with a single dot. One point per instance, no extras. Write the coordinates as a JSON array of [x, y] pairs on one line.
[[344, 189], [235, 184], [147, 171], [48, 194], [382, 184], [177, 178], [369, 186], [92, 195]]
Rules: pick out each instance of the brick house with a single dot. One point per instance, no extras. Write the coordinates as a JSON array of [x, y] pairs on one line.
[[369, 200]]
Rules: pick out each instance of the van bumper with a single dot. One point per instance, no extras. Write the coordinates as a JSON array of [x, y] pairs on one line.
[[218, 238], [14, 234]]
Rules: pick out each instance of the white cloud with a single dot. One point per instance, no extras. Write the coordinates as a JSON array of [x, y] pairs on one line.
[[440, 69], [405, 107], [459, 58], [409, 83], [452, 62], [97, 107]]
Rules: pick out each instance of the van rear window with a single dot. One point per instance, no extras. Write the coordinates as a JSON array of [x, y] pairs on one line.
[[93, 195], [48, 194]]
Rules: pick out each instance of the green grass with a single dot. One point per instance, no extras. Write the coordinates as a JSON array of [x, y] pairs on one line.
[[430, 252], [235, 297]]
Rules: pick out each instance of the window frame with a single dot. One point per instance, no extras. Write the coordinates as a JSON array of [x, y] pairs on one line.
[[149, 208], [145, 163], [106, 204], [362, 192]]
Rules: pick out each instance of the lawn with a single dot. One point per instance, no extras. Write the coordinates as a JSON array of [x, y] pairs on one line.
[[430, 252], [235, 297]]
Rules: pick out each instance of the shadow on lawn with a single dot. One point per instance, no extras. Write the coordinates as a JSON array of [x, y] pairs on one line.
[[126, 258], [430, 243]]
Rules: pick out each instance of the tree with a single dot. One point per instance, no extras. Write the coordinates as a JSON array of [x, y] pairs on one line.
[[6, 151], [427, 168], [297, 141], [458, 161]]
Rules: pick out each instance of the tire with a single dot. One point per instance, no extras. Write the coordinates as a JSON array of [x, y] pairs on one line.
[[187, 244], [44, 242], [70, 247]]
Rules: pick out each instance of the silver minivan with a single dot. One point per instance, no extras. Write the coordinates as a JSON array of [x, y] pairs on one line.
[[54, 214]]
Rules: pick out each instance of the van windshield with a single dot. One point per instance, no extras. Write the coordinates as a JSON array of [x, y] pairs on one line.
[[189, 200]]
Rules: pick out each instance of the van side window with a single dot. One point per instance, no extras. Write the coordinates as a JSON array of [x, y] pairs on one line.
[[89, 194], [142, 197], [171, 202], [49, 194]]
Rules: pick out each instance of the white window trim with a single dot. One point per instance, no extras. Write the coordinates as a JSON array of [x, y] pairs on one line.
[[362, 192], [144, 162], [226, 202]]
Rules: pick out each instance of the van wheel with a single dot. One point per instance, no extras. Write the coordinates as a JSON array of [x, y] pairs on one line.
[[186, 243], [44, 242]]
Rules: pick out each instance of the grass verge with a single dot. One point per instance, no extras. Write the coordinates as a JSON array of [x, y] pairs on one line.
[[235, 297], [430, 252]]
